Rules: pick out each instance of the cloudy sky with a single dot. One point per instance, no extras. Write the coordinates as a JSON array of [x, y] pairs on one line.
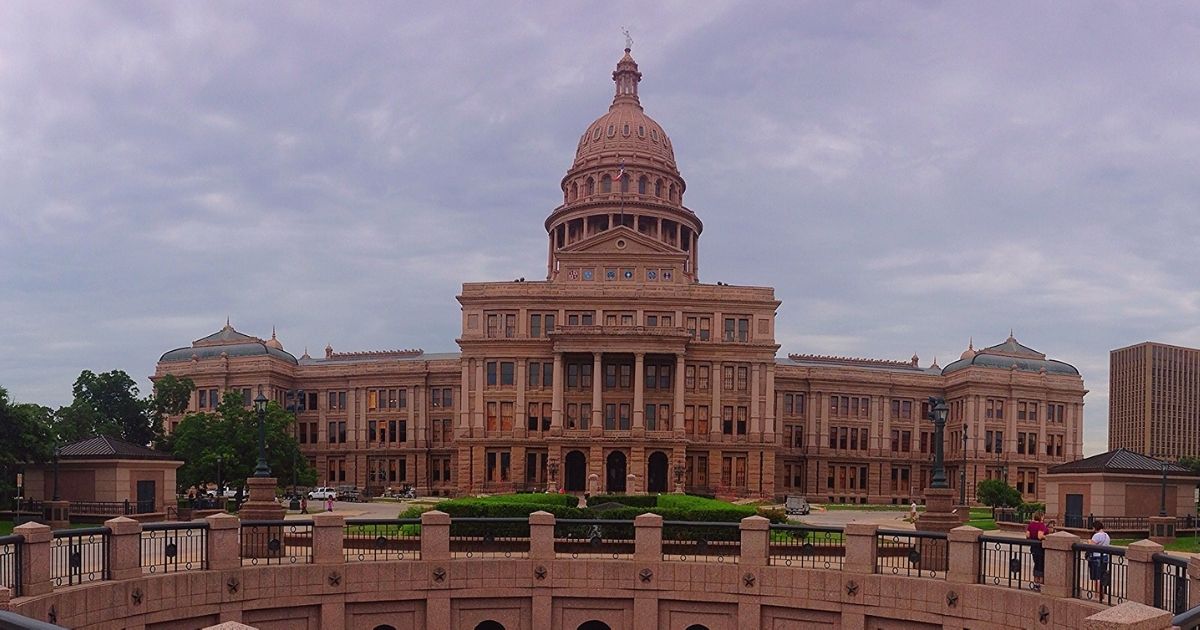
[[907, 175]]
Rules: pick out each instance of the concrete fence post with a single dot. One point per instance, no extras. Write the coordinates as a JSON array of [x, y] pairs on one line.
[[1140, 573], [1060, 564], [1129, 616], [36, 558], [124, 548], [541, 535], [5, 598], [756, 534], [223, 549], [329, 537], [435, 535], [861, 551], [647, 538], [964, 555], [1193, 573]]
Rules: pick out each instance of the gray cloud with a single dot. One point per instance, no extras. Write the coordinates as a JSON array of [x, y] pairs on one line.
[[907, 175]]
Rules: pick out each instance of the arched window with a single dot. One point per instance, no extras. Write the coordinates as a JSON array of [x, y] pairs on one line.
[[671, 194], [697, 626], [591, 186], [658, 188], [625, 183], [606, 184], [594, 625], [384, 627], [642, 184], [489, 625], [574, 191]]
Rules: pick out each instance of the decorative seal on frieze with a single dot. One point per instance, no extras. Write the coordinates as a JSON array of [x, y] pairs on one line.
[[951, 599], [232, 585], [439, 574], [1044, 614], [645, 575], [748, 579], [137, 595], [335, 579], [852, 588], [540, 572]]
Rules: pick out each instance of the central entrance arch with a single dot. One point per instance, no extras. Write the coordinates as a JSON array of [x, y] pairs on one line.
[[575, 479], [656, 472], [615, 473]]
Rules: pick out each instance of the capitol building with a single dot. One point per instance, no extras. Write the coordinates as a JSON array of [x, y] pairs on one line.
[[623, 368]]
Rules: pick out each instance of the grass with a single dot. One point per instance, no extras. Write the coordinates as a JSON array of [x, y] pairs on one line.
[[1187, 544], [6, 527]]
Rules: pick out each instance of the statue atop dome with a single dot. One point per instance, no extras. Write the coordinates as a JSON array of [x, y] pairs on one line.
[[628, 39]]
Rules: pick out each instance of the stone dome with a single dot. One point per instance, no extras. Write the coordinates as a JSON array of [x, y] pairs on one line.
[[625, 129]]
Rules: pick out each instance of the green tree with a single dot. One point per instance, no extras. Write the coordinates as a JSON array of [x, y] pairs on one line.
[[1190, 463], [106, 404], [26, 436], [997, 493], [170, 398], [232, 434]]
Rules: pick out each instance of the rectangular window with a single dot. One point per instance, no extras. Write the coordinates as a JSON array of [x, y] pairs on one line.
[[535, 325], [510, 325], [535, 375], [727, 378], [727, 420], [491, 373], [741, 420], [506, 416], [624, 409], [651, 418], [572, 375], [610, 417], [493, 416], [507, 370], [547, 374], [703, 374]]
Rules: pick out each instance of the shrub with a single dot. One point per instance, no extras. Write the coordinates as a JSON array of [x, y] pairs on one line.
[[645, 501]]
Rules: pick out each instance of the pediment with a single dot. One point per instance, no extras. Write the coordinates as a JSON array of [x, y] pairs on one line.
[[621, 240]]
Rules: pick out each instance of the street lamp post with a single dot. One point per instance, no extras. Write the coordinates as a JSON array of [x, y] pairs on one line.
[[1162, 505], [937, 414], [56, 497], [220, 481], [962, 473], [260, 408]]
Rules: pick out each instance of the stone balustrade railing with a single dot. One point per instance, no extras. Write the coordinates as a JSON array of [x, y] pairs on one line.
[[125, 549]]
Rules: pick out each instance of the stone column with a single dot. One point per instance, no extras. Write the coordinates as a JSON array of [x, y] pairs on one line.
[[57, 513], [1060, 564], [860, 547], [714, 415], [520, 422], [678, 404], [124, 548], [36, 558], [756, 533], [639, 393], [597, 423], [222, 543], [964, 555], [755, 419], [5, 597], [1129, 616], [1193, 574], [556, 405], [541, 536], [329, 535], [769, 428], [647, 540], [261, 505], [464, 403], [435, 536]]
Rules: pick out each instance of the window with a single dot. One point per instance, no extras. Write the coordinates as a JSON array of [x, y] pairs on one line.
[[850, 406], [337, 401], [541, 324], [624, 409], [902, 409], [743, 380], [535, 467], [507, 373], [581, 318], [994, 409], [699, 327], [606, 184], [727, 420], [610, 417], [793, 404], [1055, 412], [651, 417], [442, 397], [491, 373], [642, 182], [498, 465]]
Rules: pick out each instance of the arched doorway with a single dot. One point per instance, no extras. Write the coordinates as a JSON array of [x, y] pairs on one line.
[[697, 626], [575, 475], [489, 625], [656, 472], [615, 475], [594, 625]]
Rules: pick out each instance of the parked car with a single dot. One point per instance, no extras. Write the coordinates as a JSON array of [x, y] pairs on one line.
[[796, 505], [322, 493], [350, 494]]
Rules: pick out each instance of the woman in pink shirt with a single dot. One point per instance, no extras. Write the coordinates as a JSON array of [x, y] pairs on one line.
[[1037, 531]]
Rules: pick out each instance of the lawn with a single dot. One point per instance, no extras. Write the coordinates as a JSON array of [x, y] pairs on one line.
[[1188, 544]]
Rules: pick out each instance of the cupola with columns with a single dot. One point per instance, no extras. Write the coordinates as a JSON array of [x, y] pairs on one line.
[[622, 216]]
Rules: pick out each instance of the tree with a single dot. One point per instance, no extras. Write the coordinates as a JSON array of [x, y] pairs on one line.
[[106, 404], [170, 398], [26, 436], [997, 493], [232, 434]]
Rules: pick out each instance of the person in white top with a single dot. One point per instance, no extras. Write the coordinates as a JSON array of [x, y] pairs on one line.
[[1098, 561]]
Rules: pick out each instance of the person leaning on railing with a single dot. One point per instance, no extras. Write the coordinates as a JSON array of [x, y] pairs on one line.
[[1037, 532], [1098, 561]]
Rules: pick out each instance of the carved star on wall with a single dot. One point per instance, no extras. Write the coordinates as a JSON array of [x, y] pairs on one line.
[[137, 596], [335, 579], [645, 575], [951, 599], [748, 579], [439, 575], [1044, 614], [852, 588], [232, 585], [540, 572]]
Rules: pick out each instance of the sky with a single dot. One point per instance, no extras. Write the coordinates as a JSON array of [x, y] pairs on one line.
[[907, 175]]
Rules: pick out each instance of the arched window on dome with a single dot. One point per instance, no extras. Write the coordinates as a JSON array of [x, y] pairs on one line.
[[574, 191], [643, 183], [606, 184], [671, 193], [658, 188], [625, 183], [591, 186]]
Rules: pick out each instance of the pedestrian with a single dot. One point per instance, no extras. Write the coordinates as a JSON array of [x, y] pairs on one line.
[[304, 505], [912, 512], [1098, 560], [328, 504], [1037, 532]]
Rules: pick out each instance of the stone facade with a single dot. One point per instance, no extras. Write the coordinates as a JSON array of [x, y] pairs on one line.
[[623, 363]]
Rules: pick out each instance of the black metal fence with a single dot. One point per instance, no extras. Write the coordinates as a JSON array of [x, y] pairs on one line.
[[112, 508], [805, 546], [382, 539], [593, 538], [686, 541], [1011, 562], [1170, 583], [276, 542], [79, 555], [10, 563], [489, 537], [171, 547], [912, 553], [1100, 573]]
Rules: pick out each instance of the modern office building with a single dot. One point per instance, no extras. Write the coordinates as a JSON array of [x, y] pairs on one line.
[[1154, 400], [622, 364]]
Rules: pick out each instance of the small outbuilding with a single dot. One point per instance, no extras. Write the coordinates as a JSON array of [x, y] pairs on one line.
[[1121, 488], [107, 476]]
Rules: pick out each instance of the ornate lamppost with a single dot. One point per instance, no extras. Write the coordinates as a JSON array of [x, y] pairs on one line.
[[552, 468], [679, 470], [937, 414], [1162, 503], [262, 469], [962, 474], [56, 497]]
